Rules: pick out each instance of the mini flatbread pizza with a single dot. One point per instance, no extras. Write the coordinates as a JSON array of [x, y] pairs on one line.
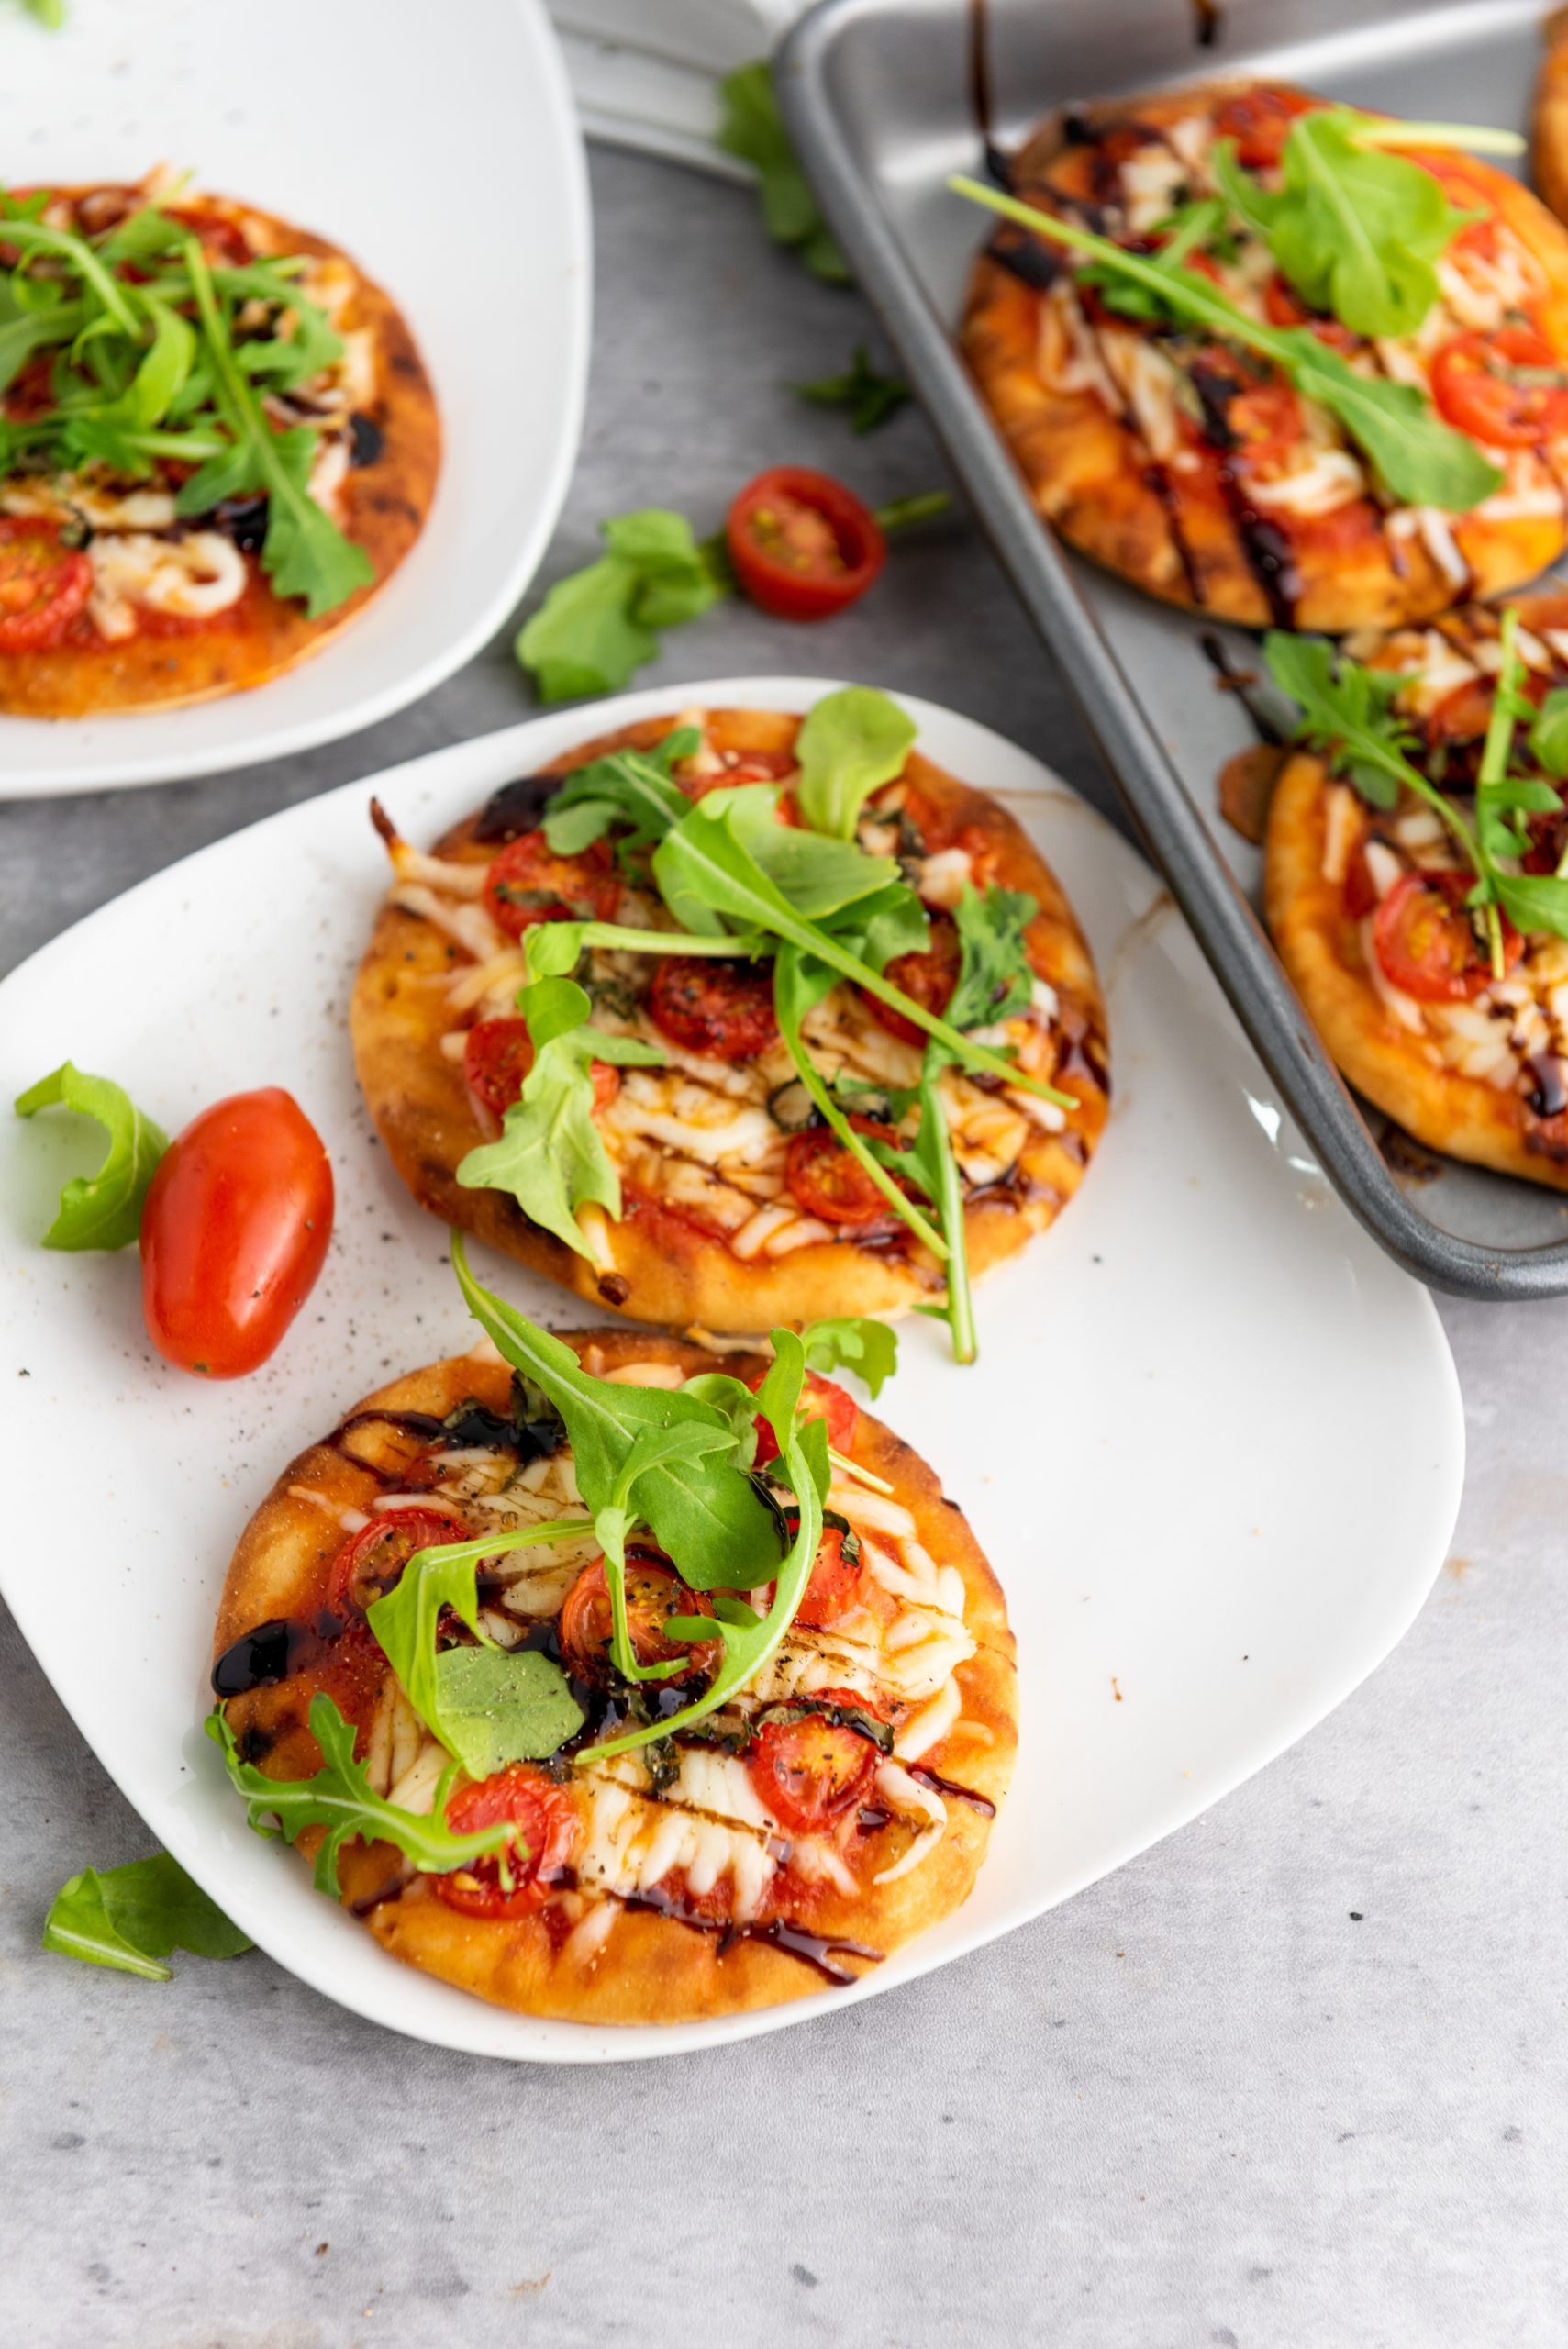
[[217, 440], [735, 1135], [1449, 1015], [1369, 423], [1548, 130], [509, 1811]]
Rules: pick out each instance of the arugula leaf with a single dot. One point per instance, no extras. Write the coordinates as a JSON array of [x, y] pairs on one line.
[[101, 1211], [1548, 733], [51, 14], [305, 553], [631, 791], [851, 743], [749, 1640], [599, 626], [404, 1621], [752, 128], [870, 398], [1347, 711], [706, 1516], [1355, 229], [498, 1706], [868, 1348], [551, 1156], [703, 864], [686, 1442], [996, 979], [132, 1917], [340, 1798], [1422, 461]]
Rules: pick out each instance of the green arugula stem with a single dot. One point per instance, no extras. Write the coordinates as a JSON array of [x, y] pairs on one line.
[[949, 1205], [84, 260], [1478, 138], [846, 1467], [1494, 753], [518, 1537], [921, 505], [731, 947]]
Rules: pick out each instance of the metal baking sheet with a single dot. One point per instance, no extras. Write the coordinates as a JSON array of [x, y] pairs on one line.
[[885, 98]]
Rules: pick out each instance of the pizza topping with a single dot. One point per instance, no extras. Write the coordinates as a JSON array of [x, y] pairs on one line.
[[1427, 943], [652, 1595], [371, 1564], [1508, 388], [166, 371], [43, 585], [721, 1011], [811, 1769], [529, 882], [543, 1824]]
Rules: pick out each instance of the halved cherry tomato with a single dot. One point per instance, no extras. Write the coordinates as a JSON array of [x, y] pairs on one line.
[[930, 977], [826, 1181], [802, 545], [654, 1593], [497, 1055], [43, 585], [810, 1772], [722, 1009], [529, 882], [234, 1233], [1427, 943], [836, 1585], [1257, 418], [823, 1398], [1259, 120], [1283, 306], [548, 1824], [1509, 388], [372, 1561]]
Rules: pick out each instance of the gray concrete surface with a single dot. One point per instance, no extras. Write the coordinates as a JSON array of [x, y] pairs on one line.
[[1294, 2081]]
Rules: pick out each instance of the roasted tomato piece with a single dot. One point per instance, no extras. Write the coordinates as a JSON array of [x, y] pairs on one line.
[[234, 1233], [1255, 417], [837, 1584], [810, 1772], [497, 1055], [529, 882], [372, 1561], [1508, 388], [548, 1824], [1259, 120], [802, 545], [1427, 944], [654, 1593], [724, 1010], [43, 585], [1361, 890], [827, 1181], [930, 977], [1283, 306], [823, 1398]]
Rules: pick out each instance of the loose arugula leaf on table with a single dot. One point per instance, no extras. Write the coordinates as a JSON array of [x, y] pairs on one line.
[[868, 1348], [131, 1917], [706, 1515], [870, 396], [853, 741], [752, 129], [749, 1640], [101, 1211], [550, 1155], [499, 1705], [1420, 460], [596, 628], [340, 1798]]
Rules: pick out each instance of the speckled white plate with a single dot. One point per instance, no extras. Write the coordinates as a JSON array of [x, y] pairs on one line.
[[1213, 1446], [441, 151]]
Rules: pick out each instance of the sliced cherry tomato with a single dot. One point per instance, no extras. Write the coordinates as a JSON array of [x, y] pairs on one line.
[[43, 585], [930, 977], [1361, 890], [548, 1824], [234, 1233], [1259, 120], [497, 1055], [1427, 943], [529, 882], [810, 1772], [722, 1009], [1509, 388], [654, 1593], [823, 1398], [1257, 418], [827, 1182], [372, 1561], [837, 1586], [1283, 306], [802, 545]]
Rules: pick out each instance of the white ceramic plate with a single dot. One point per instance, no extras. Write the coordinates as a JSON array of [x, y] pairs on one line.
[[1214, 1444], [447, 161]]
